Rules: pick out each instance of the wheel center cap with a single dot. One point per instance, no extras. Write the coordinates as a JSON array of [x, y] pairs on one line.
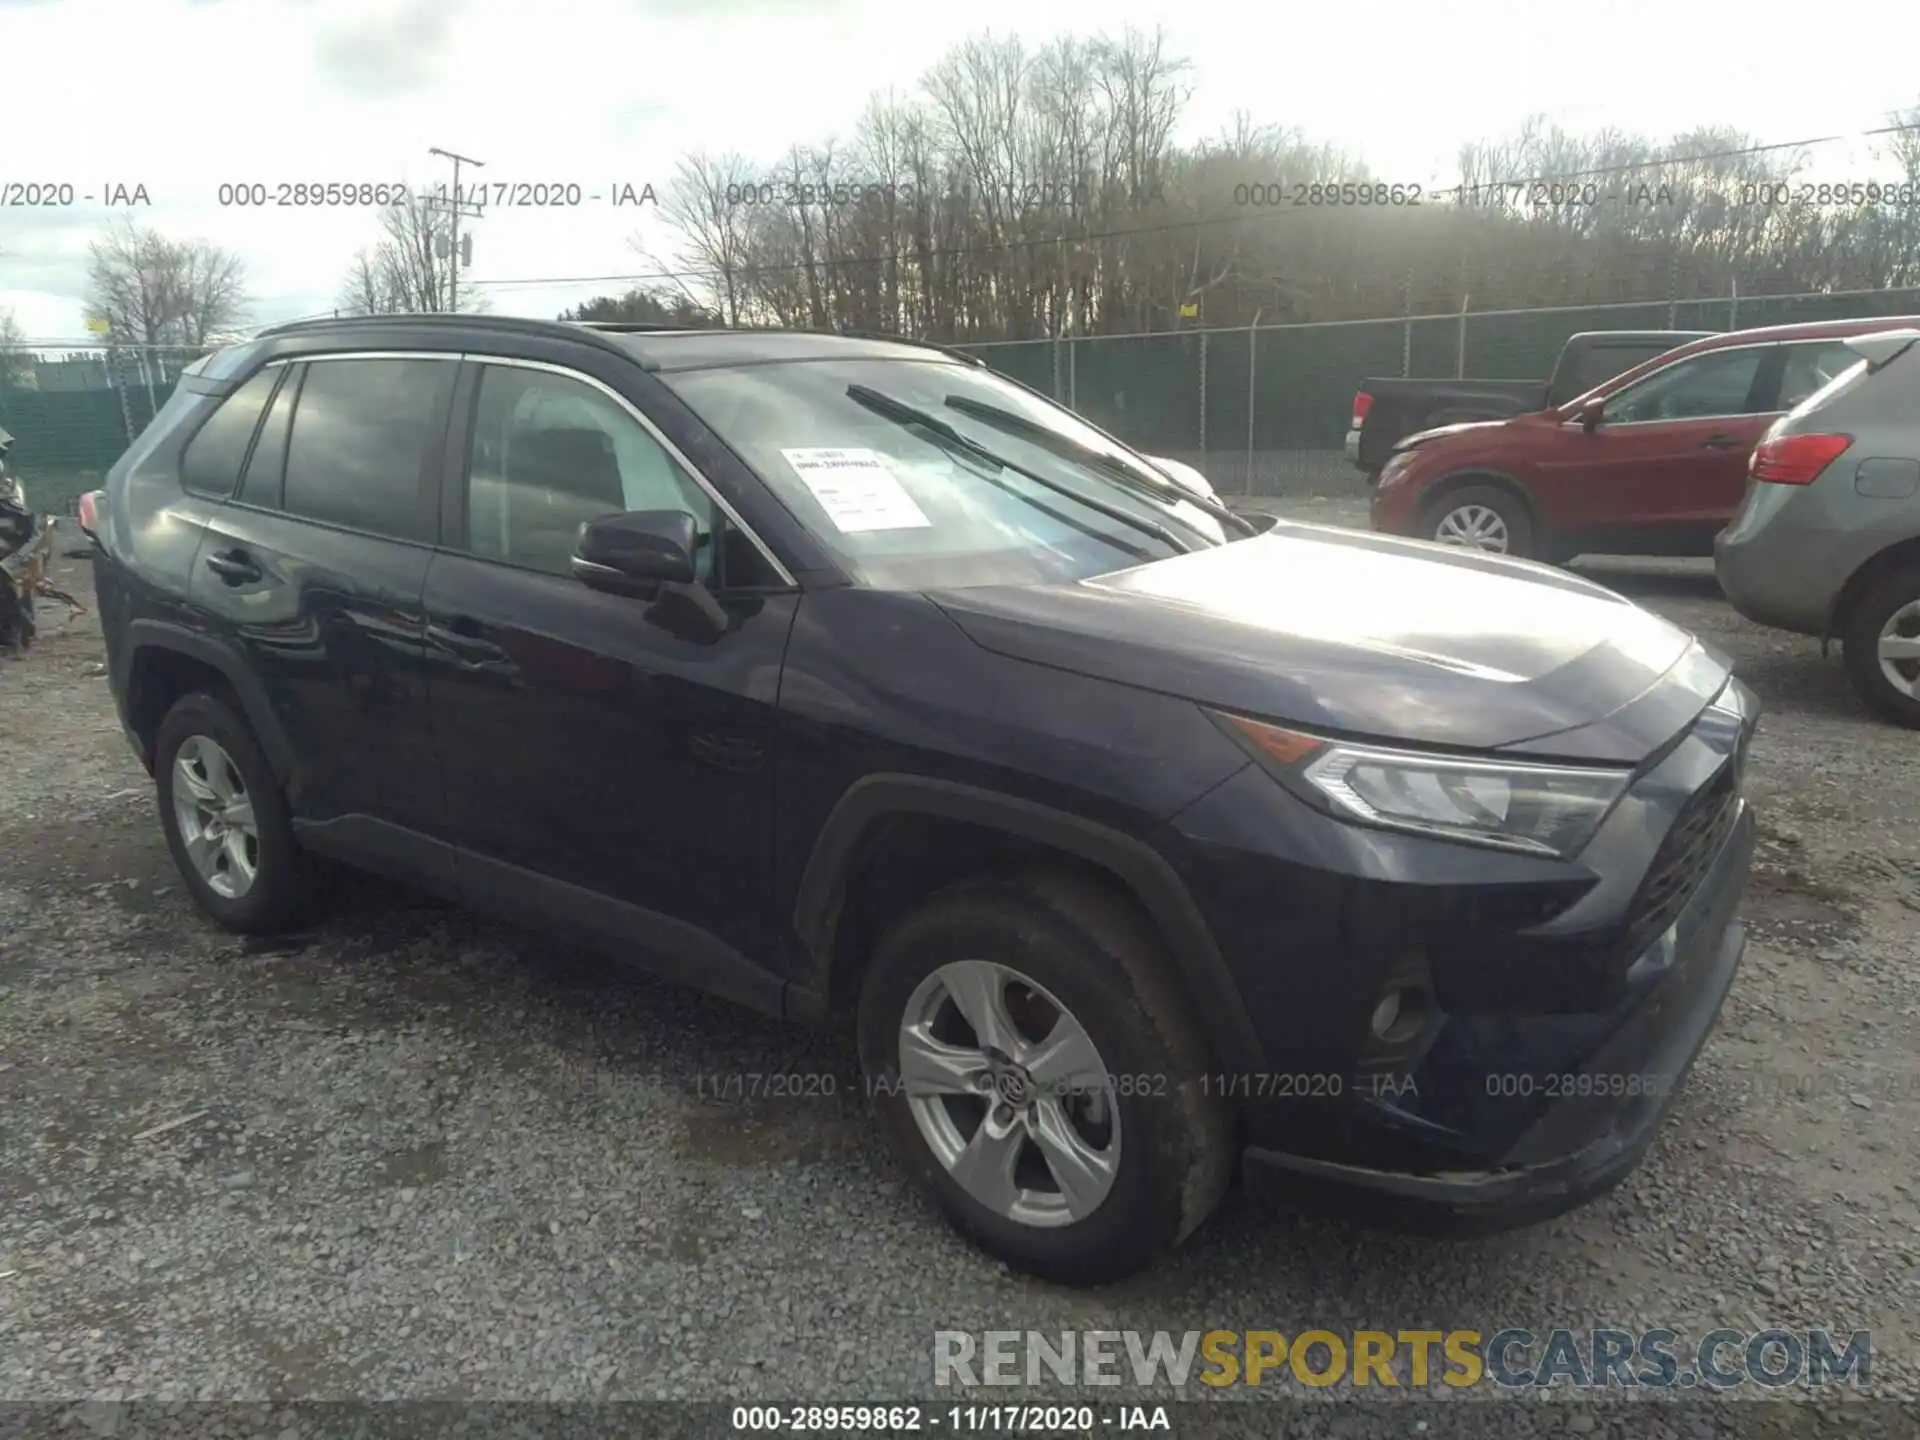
[[1013, 1085]]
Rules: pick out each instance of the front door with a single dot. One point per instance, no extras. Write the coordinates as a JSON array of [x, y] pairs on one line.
[[602, 765], [1669, 457]]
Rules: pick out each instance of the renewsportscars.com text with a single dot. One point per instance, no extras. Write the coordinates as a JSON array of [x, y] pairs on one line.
[[1510, 1358]]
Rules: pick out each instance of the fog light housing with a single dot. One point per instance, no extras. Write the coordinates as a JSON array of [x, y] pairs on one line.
[[1400, 1015]]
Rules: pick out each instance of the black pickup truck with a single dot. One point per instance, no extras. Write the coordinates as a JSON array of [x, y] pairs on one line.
[[1386, 411]]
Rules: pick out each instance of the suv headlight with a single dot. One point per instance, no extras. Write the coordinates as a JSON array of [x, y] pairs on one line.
[[1532, 808]]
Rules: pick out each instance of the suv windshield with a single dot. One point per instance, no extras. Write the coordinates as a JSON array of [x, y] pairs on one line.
[[901, 468]]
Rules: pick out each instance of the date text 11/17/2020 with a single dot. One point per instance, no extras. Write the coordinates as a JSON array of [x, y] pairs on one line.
[[547, 194]]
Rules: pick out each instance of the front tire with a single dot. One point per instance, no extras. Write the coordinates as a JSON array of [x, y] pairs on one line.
[[226, 818], [1881, 647], [1481, 517], [1038, 1070]]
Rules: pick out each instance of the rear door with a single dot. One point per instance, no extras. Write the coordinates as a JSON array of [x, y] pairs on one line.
[[316, 567], [1668, 460]]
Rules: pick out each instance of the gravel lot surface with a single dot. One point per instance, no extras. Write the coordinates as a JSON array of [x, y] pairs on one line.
[[413, 1154]]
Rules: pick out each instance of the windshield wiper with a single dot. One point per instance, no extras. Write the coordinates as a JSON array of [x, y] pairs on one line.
[[902, 413], [1111, 466]]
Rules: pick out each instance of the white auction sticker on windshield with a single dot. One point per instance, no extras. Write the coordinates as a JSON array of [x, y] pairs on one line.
[[857, 490]]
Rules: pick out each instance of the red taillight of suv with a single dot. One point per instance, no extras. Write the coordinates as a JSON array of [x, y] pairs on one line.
[[89, 513], [1362, 402], [1796, 459]]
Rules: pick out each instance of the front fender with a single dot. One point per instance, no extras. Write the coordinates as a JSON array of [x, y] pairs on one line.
[[1153, 882]]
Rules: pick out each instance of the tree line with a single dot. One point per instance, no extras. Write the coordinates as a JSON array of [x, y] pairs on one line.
[[1026, 192]]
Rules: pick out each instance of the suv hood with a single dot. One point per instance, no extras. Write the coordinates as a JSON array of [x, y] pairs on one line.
[[1370, 636]]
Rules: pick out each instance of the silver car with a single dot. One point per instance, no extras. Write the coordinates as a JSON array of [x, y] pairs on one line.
[[1827, 541]]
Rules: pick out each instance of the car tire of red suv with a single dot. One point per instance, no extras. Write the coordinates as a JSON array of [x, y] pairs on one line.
[[1465, 505], [1068, 948], [1890, 604], [209, 772]]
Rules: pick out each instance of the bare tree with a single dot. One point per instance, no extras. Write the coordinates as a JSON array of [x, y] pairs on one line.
[[704, 202], [410, 268], [15, 363], [365, 290], [157, 291]]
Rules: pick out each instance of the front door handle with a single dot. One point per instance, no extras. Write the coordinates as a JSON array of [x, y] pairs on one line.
[[236, 567], [465, 640], [1719, 442]]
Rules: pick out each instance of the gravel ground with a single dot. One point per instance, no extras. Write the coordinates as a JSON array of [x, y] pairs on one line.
[[416, 1155]]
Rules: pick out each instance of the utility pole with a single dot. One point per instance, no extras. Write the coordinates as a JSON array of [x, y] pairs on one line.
[[454, 207]]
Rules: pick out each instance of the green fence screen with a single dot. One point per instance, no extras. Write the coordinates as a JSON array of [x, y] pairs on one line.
[[1260, 412]]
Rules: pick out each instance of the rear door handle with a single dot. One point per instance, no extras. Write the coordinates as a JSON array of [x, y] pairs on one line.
[[236, 567], [1719, 442]]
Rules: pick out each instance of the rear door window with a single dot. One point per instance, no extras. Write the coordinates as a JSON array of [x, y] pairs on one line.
[[365, 435], [1812, 366], [211, 462], [268, 463]]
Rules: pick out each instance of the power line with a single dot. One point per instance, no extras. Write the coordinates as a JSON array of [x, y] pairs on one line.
[[1169, 227]]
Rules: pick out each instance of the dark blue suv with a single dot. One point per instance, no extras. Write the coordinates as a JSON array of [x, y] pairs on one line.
[[838, 676]]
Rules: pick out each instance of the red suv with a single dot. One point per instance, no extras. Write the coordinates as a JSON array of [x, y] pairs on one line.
[[1653, 462]]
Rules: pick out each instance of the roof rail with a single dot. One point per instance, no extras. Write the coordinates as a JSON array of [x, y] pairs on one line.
[[515, 324], [438, 317], [526, 325]]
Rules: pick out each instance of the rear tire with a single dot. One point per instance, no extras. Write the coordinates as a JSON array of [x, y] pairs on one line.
[[226, 818], [1886, 615], [1061, 958], [1489, 513]]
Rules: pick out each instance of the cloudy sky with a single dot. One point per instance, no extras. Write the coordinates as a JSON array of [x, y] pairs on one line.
[[180, 96]]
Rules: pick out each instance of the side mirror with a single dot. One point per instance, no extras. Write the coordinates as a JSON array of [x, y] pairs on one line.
[[1590, 414], [637, 553], [650, 554]]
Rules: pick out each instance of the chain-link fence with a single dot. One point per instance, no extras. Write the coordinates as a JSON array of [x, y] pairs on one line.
[[1260, 410], [72, 410], [1263, 411]]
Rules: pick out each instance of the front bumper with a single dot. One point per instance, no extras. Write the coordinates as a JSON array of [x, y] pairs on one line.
[[1566, 1000], [1633, 1080], [1393, 509]]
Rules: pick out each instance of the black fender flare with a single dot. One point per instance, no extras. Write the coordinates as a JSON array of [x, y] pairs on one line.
[[144, 635], [1154, 883]]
